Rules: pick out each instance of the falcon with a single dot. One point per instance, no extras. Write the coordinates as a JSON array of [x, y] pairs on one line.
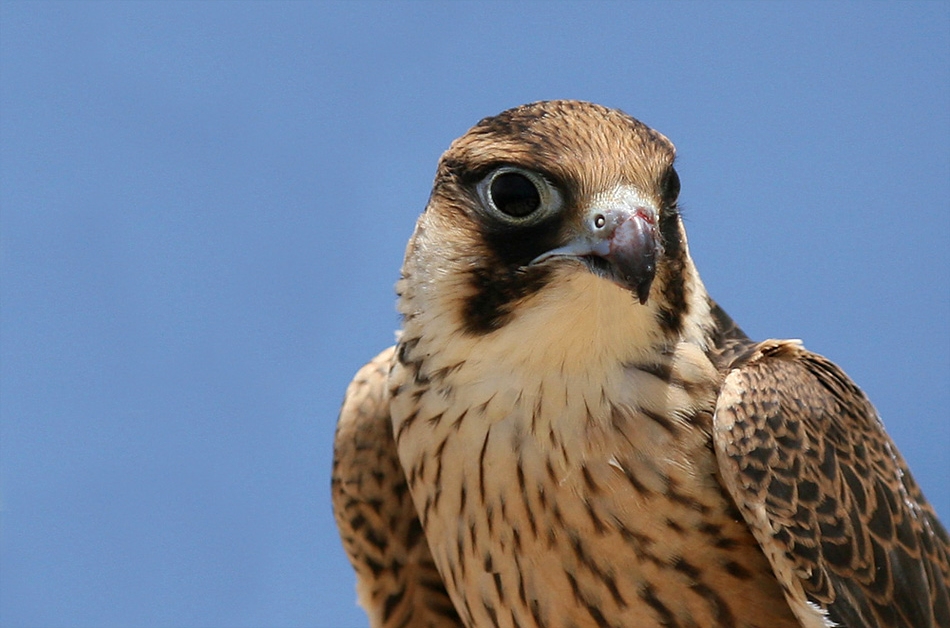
[[570, 432]]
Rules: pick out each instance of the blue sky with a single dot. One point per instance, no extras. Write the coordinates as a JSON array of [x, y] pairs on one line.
[[204, 206]]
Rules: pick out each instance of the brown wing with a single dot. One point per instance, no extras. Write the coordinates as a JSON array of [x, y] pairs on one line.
[[827, 495], [397, 582]]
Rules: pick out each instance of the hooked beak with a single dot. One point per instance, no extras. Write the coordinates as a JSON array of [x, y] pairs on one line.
[[618, 240]]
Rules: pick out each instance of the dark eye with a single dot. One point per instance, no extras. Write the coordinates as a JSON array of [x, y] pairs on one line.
[[514, 194], [517, 196], [671, 187]]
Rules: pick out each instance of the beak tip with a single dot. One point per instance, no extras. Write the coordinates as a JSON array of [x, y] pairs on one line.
[[634, 249], [643, 291], [626, 254]]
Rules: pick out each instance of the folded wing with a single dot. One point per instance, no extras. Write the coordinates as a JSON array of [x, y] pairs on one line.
[[831, 501]]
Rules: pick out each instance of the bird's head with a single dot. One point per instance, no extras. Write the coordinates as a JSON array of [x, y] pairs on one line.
[[561, 207]]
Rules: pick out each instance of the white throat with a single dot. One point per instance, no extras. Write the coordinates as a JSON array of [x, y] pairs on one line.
[[567, 350]]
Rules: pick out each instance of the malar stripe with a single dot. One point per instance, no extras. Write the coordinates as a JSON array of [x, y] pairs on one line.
[[497, 288], [674, 288]]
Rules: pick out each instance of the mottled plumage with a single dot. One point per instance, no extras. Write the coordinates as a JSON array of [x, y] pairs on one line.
[[570, 432], [398, 584]]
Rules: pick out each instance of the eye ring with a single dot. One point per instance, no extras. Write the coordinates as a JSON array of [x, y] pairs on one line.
[[517, 196]]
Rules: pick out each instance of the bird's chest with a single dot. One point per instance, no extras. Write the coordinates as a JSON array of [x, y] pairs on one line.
[[565, 509]]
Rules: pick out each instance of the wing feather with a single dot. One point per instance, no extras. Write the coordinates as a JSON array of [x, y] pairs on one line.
[[828, 496], [397, 582]]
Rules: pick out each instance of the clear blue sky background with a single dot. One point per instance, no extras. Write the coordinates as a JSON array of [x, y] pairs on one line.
[[204, 209]]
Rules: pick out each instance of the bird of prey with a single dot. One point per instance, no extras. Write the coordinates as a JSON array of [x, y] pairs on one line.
[[570, 432]]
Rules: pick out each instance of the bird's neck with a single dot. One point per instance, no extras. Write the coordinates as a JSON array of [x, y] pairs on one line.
[[572, 356]]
